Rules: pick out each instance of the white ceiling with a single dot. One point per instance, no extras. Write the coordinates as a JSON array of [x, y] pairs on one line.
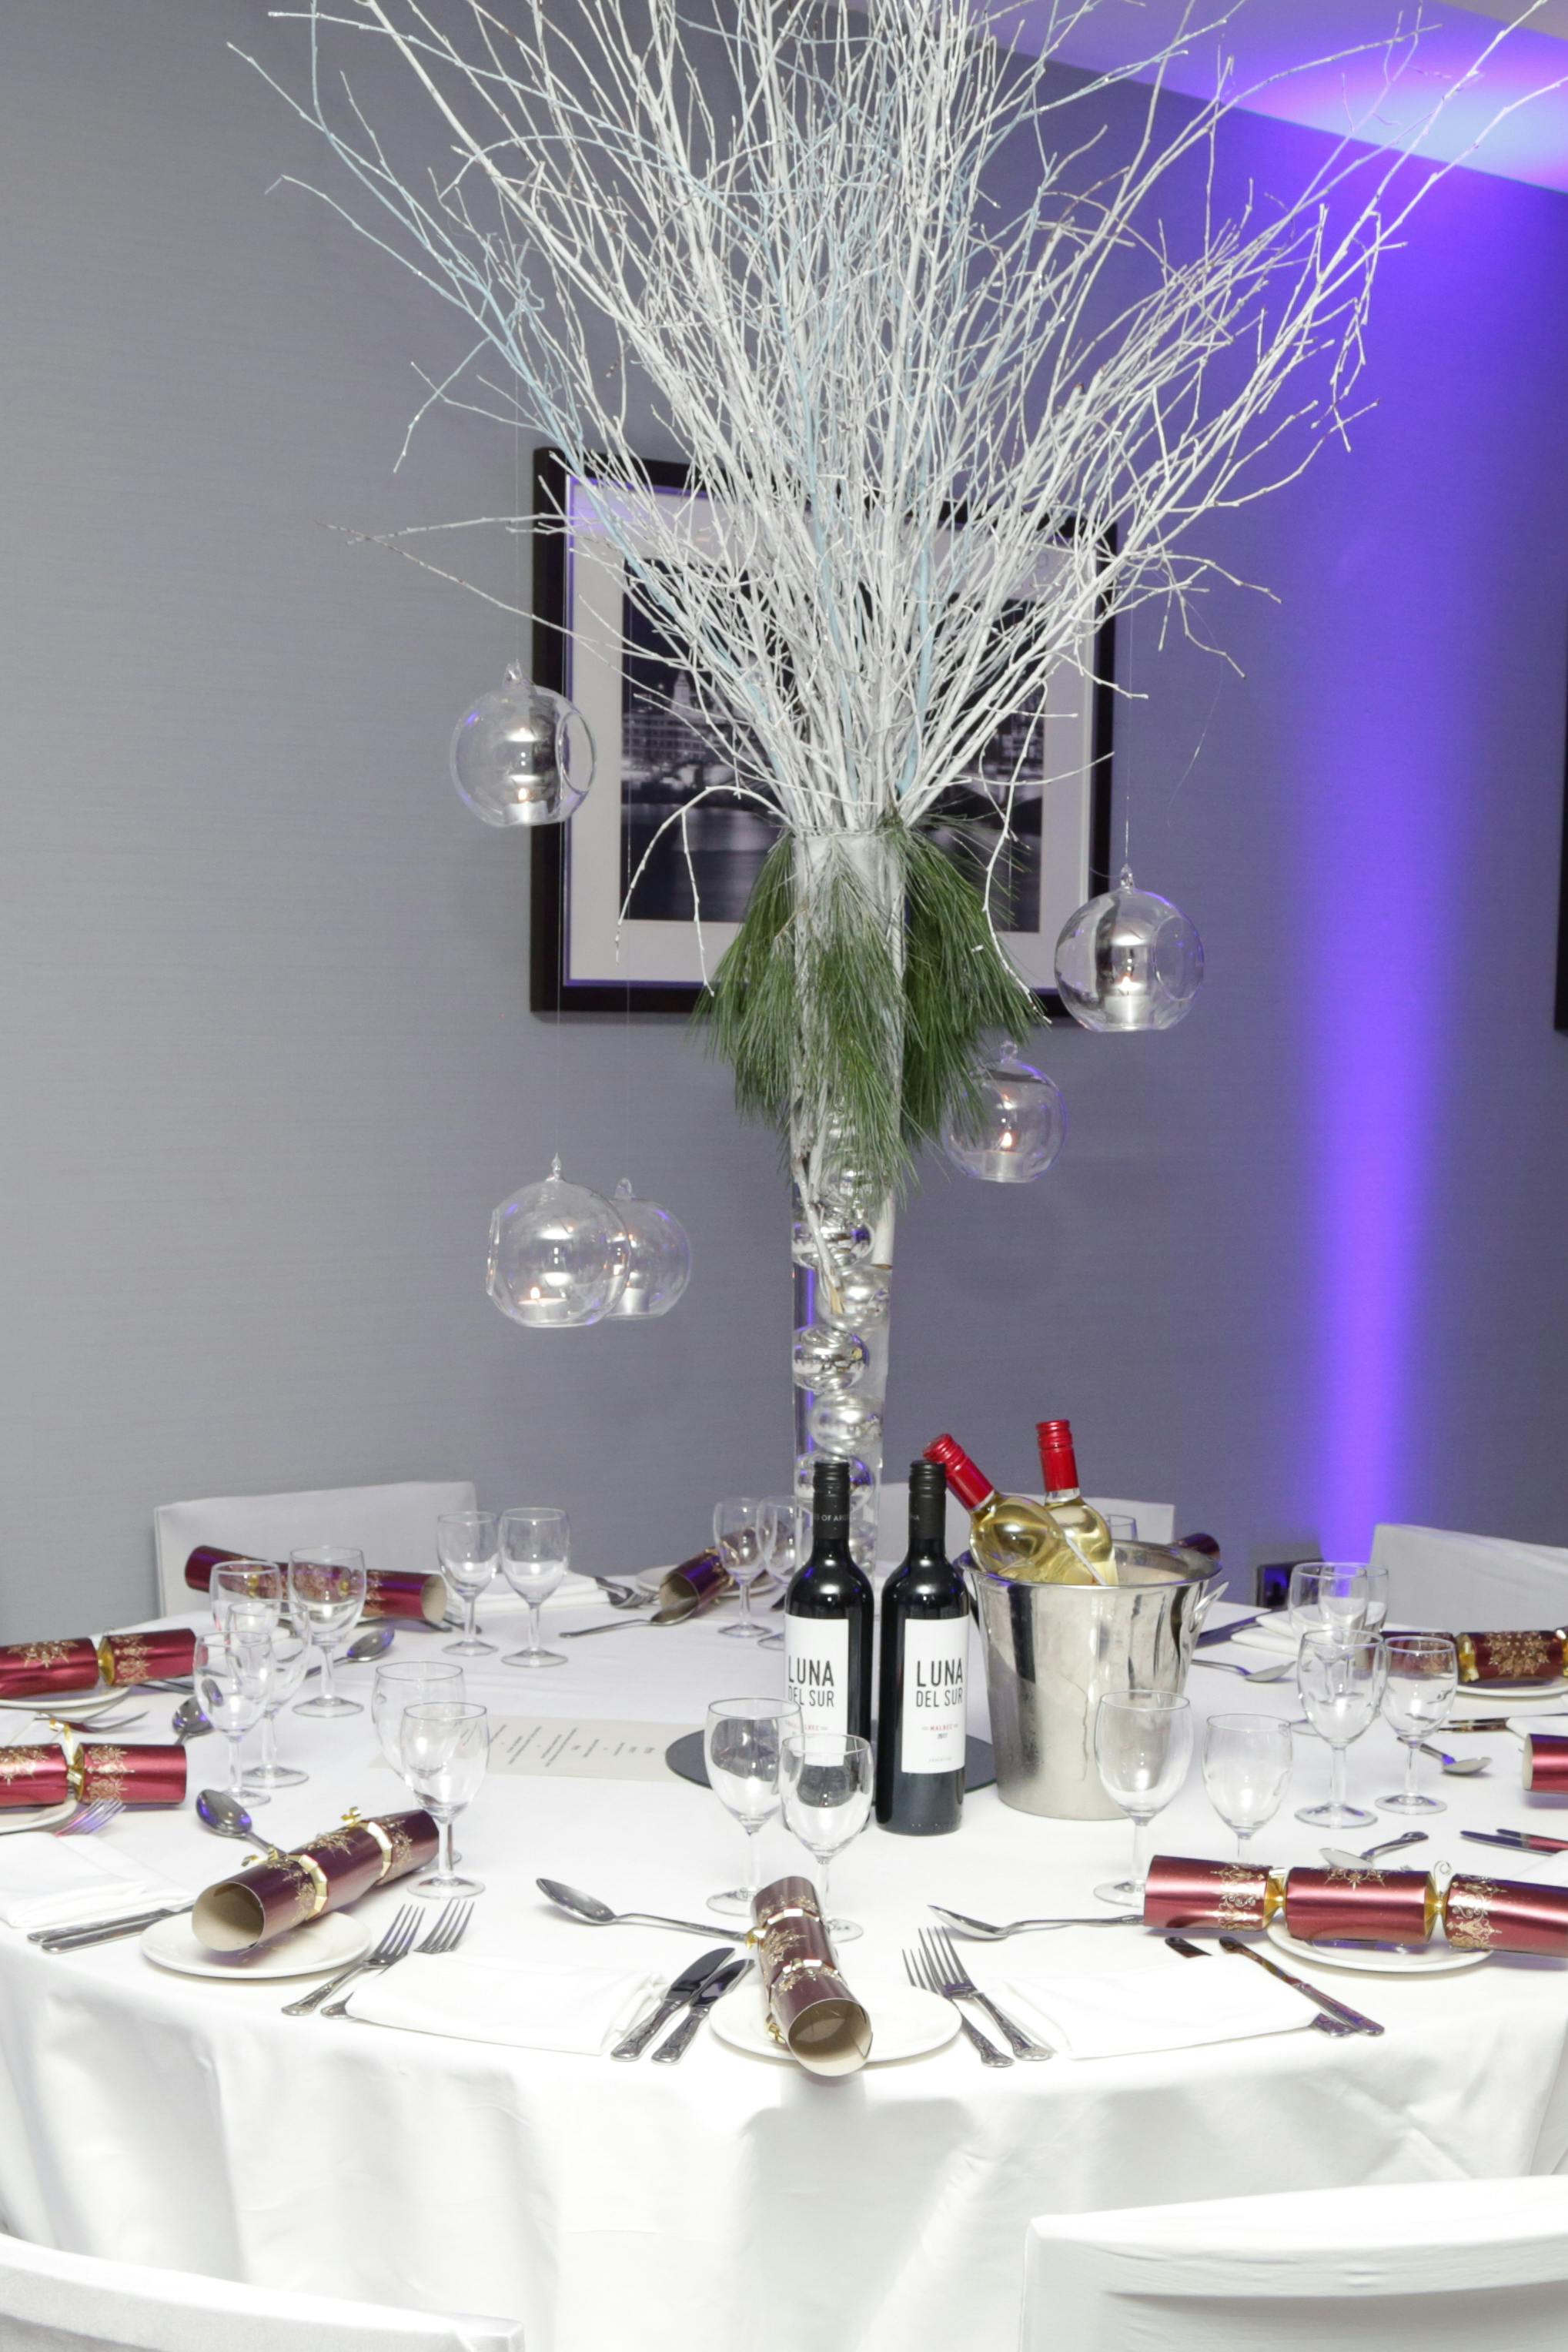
[[1289, 58]]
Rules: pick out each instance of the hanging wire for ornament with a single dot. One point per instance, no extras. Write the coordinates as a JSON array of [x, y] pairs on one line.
[[558, 1256], [522, 754], [1128, 961], [658, 1258], [1013, 1124]]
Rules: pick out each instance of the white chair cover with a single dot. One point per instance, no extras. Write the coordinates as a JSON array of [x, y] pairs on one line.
[[394, 1526], [51, 2302], [1419, 2267], [1156, 1521], [1471, 1583]]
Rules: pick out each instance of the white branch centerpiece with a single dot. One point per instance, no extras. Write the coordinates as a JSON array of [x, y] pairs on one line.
[[945, 428]]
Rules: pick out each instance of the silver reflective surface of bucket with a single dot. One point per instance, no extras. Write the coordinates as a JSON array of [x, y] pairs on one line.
[[1052, 1652]]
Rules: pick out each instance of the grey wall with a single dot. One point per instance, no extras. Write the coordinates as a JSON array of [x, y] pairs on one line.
[[264, 1057]]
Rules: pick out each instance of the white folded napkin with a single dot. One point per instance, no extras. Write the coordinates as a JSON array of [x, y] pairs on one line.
[[1177, 2008], [49, 1882], [511, 2001], [1274, 1633]]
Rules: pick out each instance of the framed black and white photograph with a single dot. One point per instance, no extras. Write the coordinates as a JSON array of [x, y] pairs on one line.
[[655, 756]]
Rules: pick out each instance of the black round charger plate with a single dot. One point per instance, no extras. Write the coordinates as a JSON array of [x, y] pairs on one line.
[[685, 1755]]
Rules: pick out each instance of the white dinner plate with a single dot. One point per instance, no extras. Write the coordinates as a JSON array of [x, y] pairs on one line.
[[1426, 1960], [36, 1817], [313, 1950], [1542, 1694], [905, 2022]]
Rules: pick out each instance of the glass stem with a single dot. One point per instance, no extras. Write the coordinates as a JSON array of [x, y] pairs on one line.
[[824, 1877], [753, 1862], [534, 1628], [269, 1741], [746, 1603], [470, 1617], [326, 1691], [1140, 1851], [1409, 1767], [1336, 1779], [236, 1739], [1241, 1838], [444, 1846]]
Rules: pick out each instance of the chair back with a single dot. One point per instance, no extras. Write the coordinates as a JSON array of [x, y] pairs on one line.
[[1417, 2266], [1479, 1585], [1156, 1521], [394, 1526], [52, 2301]]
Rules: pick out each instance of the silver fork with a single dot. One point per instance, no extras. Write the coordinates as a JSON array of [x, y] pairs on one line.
[[451, 1926], [397, 1940], [942, 1954], [915, 1968], [96, 1814]]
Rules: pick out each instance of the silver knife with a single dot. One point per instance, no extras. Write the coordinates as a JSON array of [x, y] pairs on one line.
[[674, 2045], [1339, 2009], [1236, 1625], [682, 1990], [103, 1931]]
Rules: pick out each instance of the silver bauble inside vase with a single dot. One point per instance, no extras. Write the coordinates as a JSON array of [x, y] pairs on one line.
[[658, 1258], [829, 1358], [1128, 961], [1013, 1126], [522, 754], [558, 1256]]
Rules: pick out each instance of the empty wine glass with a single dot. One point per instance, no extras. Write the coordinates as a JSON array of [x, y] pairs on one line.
[[1423, 1675], [742, 1533], [228, 1679], [791, 1543], [1246, 1770], [286, 1656], [1143, 1746], [257, 1582], [744, 1749], [1340, 1682], [1342, 1596], [326, 1596], [402, 1683], [468, 1545], [446, 1746], [828, 1781], [536, 1552]]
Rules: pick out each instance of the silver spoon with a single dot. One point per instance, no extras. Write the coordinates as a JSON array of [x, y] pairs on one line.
[[600, 1915], [226, 1817], [372, 1643], [986, 1932], [1461, 1766], [1250, 1673], [188, 1721]]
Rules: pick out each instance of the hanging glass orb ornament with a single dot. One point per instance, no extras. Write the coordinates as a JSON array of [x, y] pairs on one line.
[[1128, 961], [558, 1256], [658, 1258], [522, 754], [1014, 1126], [828, 1359]]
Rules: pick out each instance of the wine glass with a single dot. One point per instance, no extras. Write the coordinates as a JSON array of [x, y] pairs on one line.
[[535, 1550], [1143, 1746], [229, 1682], [1342, 1596], [402, 1683], [467, 1546], [1423, 1675], [828, 1778], [257, 1582], [1246, 1770], [283, 1670], [743, 1748], [326, 1595], [444, 1744], [790, 1544], [742, 1533], [1342, 1683]]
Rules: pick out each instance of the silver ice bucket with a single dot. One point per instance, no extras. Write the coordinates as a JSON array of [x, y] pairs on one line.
[[1052, 1652]]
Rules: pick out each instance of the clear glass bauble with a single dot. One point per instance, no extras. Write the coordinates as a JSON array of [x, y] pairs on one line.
[[829, 1358], [1014, 1127], [1128, 961], [847, 1425], [522, 754], [846, 1241], [658, 1258], [557, 1255], [858, 1298]]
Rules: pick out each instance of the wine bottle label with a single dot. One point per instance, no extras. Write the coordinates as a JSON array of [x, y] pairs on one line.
[[932, 1732], [817, 1669]]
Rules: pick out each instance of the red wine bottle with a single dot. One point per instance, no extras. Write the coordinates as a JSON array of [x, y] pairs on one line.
[[828, 1615], [923, 1679]]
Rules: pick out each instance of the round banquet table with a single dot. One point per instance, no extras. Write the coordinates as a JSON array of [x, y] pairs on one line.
[[727, 2201]]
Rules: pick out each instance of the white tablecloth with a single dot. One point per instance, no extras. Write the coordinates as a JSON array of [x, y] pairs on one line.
[[725, 2202]]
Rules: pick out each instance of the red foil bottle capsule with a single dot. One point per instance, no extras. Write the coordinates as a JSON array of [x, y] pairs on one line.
[[1546, 1763], [1182, 1893], [1500, 1914], [1383, 1906]]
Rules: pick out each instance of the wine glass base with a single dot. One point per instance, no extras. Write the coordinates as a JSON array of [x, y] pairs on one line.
[[1403, 1804], [1338, 1817], [844, 1931], [261, 1778], [329, 1706], [771, 1642], [468, 1649], [746, 1629], [436, 1886], [735, 1902], [1124, 1892], [534, 1658]]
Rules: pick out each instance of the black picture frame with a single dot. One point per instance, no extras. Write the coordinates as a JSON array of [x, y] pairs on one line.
[[553, 988]]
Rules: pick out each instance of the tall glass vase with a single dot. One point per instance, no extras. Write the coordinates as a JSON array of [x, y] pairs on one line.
[[843, 1231]]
